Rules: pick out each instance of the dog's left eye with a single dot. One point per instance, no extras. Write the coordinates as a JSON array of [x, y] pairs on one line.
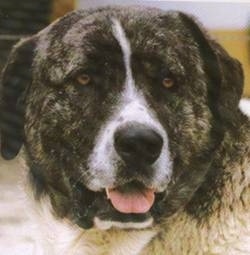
[[168, 82], [83, 79]]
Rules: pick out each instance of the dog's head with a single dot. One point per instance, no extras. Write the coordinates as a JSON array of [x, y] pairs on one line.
[[119, 110]]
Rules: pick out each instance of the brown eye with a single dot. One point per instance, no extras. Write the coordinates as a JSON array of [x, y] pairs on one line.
[[168, 83], [83, 79]]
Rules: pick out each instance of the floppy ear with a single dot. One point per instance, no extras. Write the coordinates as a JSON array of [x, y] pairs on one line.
[[15, 80], [225, 74]]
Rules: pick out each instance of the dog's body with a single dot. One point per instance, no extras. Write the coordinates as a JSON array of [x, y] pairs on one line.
[[133, 139]]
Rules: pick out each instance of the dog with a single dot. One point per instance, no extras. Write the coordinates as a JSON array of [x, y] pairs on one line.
[[128, 123]]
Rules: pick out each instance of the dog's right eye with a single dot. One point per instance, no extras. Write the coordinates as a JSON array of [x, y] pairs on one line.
[[83, 79], [168, 83]]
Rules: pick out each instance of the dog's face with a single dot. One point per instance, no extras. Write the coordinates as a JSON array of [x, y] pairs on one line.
[[121, 113]]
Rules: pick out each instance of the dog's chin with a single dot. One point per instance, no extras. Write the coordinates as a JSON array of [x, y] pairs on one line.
[[123, 221]]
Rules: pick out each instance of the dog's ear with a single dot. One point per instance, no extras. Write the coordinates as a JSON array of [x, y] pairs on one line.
[[225, 73], [15, 80]]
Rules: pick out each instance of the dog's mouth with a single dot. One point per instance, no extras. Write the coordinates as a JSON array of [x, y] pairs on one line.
[[132, 197], [129, 205]]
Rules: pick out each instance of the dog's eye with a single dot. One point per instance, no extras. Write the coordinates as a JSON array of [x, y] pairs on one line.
[[83, 79], [168, 83]]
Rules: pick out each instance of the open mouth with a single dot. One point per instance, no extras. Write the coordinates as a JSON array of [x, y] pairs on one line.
[[129, 205], [132, 197]]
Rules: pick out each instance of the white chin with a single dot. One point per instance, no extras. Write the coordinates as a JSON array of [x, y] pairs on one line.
[[105, 224]]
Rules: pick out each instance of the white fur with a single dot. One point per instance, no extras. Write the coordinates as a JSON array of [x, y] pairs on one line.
[[244, 106], [61, 237], [132, 107], [104, 225]]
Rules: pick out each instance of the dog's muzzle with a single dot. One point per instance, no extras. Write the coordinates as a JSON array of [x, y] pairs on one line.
[[138, 146]]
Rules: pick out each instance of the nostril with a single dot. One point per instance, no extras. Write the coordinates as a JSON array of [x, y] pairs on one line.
[[152, 148], [137, 143], [125, 145]]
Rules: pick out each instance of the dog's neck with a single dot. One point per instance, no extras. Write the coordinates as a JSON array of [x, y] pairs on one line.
[[58, 236]]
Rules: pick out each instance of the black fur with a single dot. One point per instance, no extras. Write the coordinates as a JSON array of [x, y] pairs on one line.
[[16, 79]]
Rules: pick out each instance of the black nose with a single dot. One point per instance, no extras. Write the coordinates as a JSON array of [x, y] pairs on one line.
[[138, 144]]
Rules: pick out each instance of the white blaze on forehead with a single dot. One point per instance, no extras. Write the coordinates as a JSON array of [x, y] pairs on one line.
[[132, 107], [120, 36]]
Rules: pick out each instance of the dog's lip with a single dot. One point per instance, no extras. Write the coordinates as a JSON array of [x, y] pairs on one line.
[[131, 198]]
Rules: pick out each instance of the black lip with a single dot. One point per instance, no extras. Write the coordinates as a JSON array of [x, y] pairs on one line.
[[132, 186], [114, 215]]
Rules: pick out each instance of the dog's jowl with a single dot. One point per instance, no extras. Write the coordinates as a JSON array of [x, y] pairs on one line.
[[132, 137]]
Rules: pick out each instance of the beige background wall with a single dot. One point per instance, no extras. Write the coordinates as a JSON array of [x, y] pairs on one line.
[[237, 43]]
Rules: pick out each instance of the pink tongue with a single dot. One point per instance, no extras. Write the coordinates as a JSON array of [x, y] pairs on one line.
[[137, 202]]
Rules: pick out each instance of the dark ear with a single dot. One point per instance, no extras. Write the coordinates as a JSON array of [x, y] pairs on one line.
[[15, 80], [225, 73]]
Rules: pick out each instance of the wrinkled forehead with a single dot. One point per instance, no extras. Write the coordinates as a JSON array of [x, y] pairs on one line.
[[75, 27], [79, 39]]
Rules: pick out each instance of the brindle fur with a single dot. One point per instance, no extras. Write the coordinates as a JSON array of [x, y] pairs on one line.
[[57, 119]]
